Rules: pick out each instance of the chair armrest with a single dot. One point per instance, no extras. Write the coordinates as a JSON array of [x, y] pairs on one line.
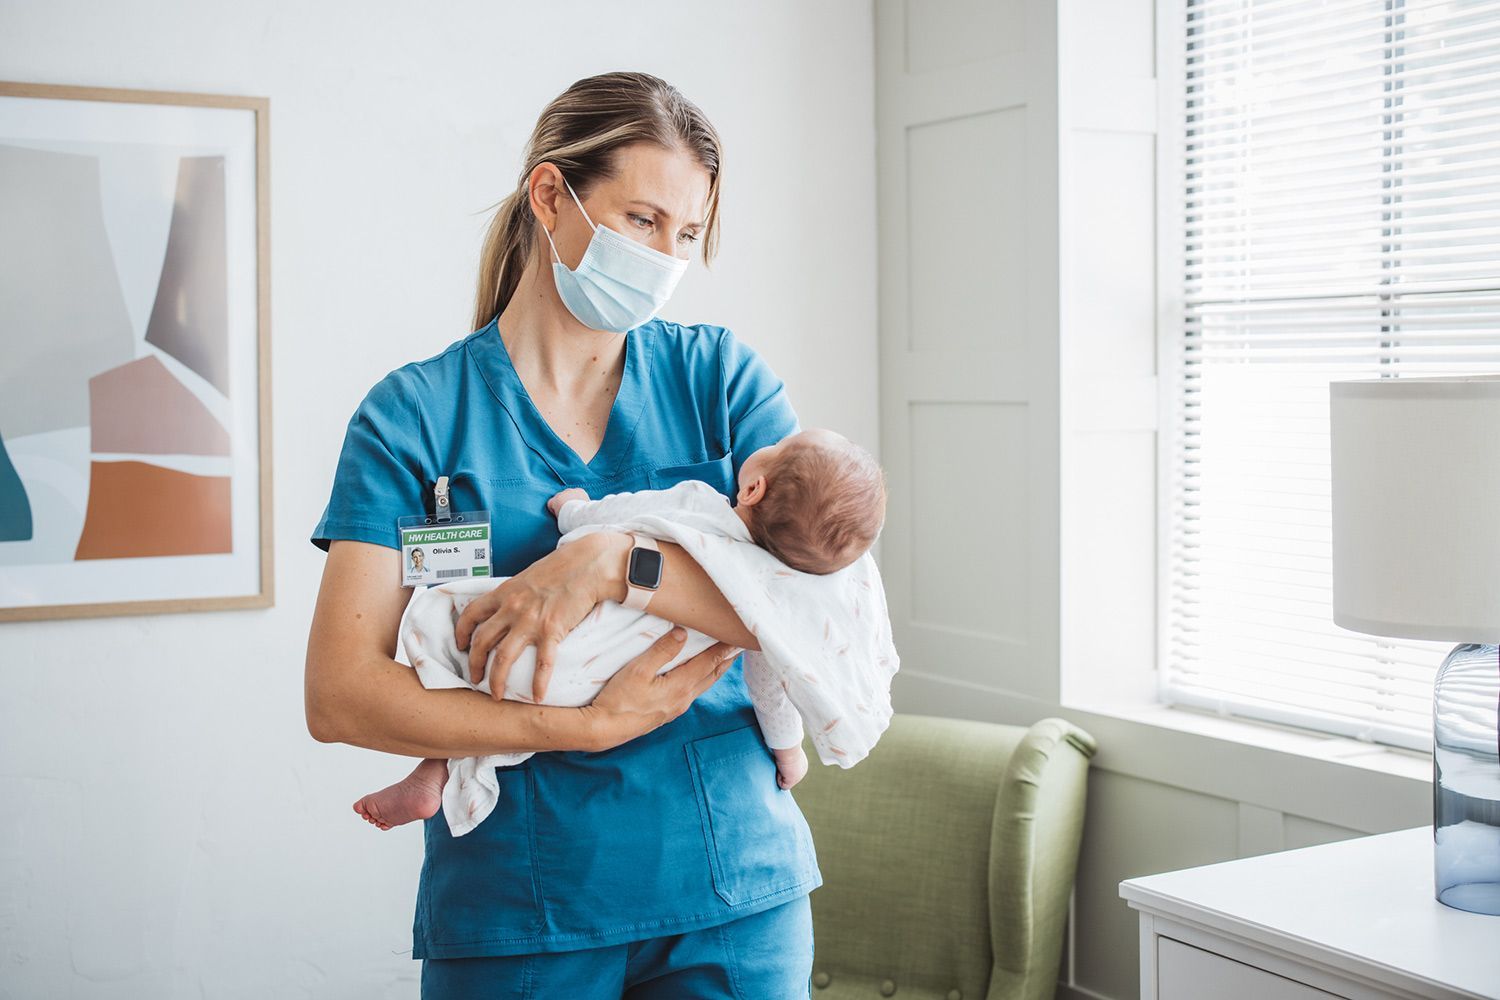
[[1034, 855]]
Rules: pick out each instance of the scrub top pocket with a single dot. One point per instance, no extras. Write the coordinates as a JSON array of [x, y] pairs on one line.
[[522, 529], [716, 472], [758, 842]]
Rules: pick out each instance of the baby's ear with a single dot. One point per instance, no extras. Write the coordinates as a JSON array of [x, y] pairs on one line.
[[752, 493]]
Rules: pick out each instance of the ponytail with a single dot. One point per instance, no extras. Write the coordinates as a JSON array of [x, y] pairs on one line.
[[507, 244]]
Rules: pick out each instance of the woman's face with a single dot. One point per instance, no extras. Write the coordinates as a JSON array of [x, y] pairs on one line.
[[658, 197]]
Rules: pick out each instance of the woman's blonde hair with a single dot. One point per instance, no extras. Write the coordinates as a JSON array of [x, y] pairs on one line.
[[580, 132]]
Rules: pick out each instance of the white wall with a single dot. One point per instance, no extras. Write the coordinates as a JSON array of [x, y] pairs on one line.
[[167, 826]]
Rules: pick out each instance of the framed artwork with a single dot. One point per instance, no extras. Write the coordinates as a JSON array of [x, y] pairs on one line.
[[135, 365]]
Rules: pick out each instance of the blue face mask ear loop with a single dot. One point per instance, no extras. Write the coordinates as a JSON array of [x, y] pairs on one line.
[[581, 209]]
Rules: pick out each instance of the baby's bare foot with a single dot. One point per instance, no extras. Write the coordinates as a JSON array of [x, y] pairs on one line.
[[416, 796]]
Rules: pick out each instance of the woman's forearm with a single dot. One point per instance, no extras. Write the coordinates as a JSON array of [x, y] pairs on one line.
[[391, 711], [688, 596], [380, 704]]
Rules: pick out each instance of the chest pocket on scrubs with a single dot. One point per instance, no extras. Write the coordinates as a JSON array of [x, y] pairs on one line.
[[716, 472], [521, 528], [758, 841]]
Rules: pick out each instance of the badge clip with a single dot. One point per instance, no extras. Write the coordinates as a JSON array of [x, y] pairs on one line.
[[443, 546]]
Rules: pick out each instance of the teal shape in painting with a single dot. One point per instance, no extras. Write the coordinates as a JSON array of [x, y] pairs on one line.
[[15, 509]]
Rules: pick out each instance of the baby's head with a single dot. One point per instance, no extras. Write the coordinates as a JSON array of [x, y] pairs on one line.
[[815, 500]]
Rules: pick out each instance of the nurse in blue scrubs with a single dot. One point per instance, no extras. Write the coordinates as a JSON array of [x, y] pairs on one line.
[[650, 851]]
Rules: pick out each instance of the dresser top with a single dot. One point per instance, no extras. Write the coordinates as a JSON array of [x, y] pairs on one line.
[[1365, 905]]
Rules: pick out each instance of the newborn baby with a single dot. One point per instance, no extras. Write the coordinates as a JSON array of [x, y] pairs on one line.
[[814, 501]]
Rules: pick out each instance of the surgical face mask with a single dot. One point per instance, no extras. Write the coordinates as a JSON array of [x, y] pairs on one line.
[[619, 284]]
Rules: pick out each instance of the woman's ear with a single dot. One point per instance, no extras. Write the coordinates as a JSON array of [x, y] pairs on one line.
[[544, 187]]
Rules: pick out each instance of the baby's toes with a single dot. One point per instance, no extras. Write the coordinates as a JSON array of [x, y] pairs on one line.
[[366, 809]]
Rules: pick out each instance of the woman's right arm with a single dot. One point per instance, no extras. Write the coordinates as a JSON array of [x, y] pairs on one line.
[[356, 692]]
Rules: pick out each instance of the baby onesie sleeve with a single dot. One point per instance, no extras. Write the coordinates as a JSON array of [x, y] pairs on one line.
[[615, 508], [780, 722], [379, 473], [760, 412], [691, 502]]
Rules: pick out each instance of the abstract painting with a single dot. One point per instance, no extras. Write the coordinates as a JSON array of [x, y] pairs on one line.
[[135, 450]]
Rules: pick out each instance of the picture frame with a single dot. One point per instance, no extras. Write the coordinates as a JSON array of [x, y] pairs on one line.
[[135, 388]]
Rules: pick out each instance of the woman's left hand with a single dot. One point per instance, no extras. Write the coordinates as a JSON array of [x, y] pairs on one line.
[[539, 606]]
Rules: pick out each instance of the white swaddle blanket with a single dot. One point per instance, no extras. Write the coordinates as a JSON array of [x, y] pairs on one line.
[[826, 655]]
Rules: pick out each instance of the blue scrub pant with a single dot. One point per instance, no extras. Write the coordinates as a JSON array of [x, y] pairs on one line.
[[763, 956]]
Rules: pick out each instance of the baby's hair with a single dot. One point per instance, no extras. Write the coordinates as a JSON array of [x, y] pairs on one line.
[[823, 507]]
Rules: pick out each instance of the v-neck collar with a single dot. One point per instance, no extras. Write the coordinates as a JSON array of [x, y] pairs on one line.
[[487, 351]]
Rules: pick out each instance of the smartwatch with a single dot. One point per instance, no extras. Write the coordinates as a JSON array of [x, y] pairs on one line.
[[643, 574]]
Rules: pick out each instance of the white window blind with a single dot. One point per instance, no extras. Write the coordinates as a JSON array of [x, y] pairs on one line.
[[1341, 220]]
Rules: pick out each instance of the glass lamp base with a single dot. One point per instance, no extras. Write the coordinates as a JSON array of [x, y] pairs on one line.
[[1466, 779]]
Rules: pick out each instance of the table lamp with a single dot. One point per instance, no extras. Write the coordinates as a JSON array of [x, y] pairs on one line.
[[1416, 554]]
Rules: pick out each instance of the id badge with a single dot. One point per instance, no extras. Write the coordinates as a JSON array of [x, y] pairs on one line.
[[440, 553], [444, 546]]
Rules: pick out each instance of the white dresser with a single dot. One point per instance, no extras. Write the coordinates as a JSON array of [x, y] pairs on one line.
[[1354, 919]]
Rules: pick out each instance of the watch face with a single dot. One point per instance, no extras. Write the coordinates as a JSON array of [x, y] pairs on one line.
[[645, 568]]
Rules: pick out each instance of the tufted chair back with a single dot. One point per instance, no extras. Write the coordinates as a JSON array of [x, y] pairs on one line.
[[948, 857]]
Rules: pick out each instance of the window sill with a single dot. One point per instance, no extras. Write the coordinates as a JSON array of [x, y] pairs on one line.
[[1341, 782], [1394, 761], [1335, 780]]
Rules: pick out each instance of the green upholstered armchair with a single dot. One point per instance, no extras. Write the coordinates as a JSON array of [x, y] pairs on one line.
[[948, 857]]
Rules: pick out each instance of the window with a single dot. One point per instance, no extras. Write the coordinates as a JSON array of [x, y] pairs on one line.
[[1341, 219]]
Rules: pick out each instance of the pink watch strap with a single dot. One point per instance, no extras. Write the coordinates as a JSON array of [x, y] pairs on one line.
[[639, 597]]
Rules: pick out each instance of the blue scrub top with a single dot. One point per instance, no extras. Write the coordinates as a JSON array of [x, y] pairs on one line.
[[682, 828]]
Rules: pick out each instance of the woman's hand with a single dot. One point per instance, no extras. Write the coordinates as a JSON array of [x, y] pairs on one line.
[[539, 606], [637, 699]]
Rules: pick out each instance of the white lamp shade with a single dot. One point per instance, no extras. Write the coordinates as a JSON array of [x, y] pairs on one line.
[[1416, 506]]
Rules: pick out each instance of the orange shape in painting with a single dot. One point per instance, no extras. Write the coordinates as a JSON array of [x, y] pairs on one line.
[[140, 407], [136, 509]]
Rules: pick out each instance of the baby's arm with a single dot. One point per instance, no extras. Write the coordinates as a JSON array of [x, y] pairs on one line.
[[555, 503], [572, 507], [780, 722]]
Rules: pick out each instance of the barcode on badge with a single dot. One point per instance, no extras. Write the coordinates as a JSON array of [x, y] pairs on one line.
[[448, 574], [481, 554]]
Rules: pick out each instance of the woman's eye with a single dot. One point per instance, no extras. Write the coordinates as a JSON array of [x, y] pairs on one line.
[[687, 238], [641, 219]]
